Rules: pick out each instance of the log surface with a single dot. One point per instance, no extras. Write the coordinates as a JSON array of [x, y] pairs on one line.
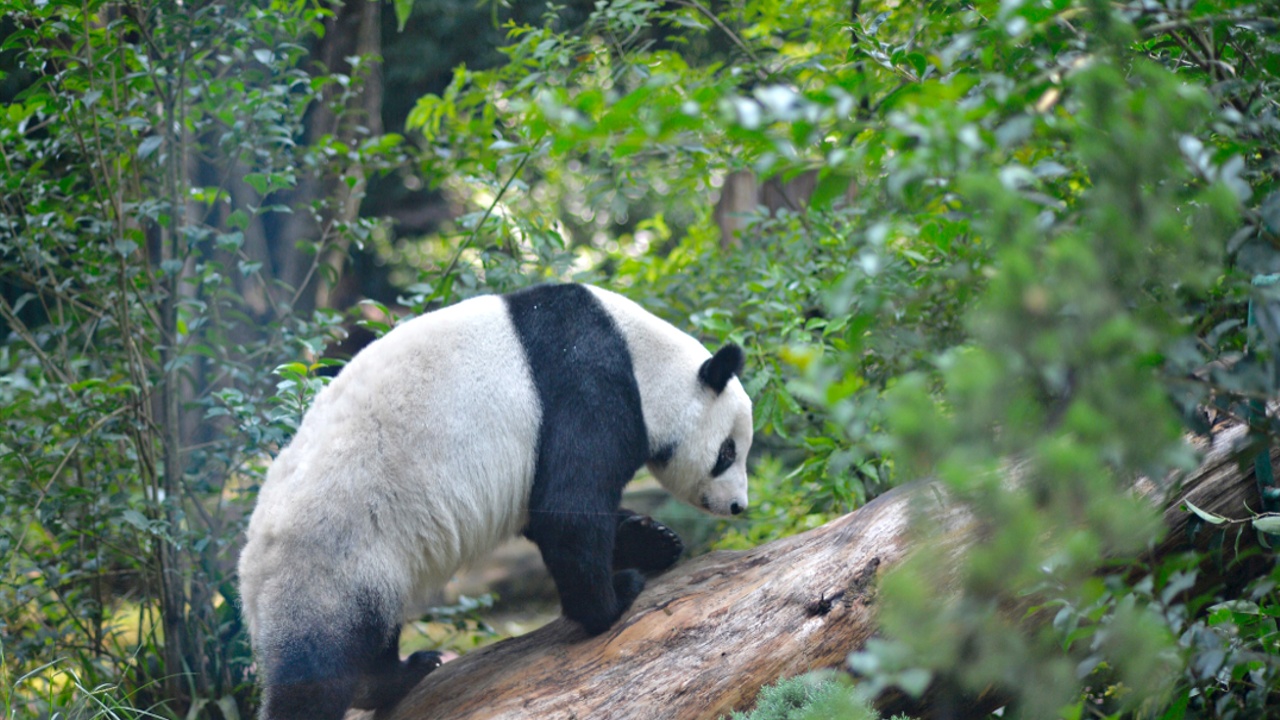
[[697, 639], [703, 638]]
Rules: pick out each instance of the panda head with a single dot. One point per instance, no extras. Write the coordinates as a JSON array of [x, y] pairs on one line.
[[706, 465]]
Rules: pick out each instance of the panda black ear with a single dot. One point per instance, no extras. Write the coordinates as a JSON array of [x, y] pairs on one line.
[[716, 372]]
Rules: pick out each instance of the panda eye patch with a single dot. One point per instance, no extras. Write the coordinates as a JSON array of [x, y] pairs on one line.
[[728, 453]]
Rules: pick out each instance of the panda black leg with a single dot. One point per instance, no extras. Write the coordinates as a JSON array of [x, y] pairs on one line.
[[309, 700], [578, 552], [389, 679], [311, 674], [644, 543], [627, 586]]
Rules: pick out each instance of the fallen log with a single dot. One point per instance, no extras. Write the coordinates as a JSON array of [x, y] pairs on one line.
[[703, 638]]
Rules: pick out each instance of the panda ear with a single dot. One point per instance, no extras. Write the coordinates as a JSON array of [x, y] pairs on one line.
[[716, 372]]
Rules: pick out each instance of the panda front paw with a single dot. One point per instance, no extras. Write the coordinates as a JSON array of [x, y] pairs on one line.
[[644, 544]]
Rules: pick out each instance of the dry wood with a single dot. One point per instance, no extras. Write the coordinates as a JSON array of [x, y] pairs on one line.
[[704, 637]]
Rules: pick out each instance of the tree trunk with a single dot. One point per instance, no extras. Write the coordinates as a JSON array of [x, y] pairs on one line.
[[354, 30], [703, 638], [743, 194]]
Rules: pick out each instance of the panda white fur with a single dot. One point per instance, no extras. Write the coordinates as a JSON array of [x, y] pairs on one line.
[[457, 430]]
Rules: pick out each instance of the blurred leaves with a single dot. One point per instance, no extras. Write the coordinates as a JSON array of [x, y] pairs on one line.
[[1030, 239], [147, 155], [1010, 235]]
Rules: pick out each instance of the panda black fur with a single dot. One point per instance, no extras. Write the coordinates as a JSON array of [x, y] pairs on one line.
[[457, 430]]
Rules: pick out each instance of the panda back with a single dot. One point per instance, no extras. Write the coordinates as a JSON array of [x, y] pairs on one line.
[[416, 460]]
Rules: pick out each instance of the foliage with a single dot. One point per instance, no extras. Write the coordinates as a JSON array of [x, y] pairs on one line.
[[808, 697], [103, 702], [1033, 235], [145, 151], [1021, 235], [459, 627]]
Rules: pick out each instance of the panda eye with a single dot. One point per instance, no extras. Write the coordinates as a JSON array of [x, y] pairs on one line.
[[728, 453]]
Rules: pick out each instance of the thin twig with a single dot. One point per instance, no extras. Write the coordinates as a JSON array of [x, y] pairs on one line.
[[475, 231], [1169, 26], [19, 327]]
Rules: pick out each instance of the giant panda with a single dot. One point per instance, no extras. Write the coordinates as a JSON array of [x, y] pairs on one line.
[[500, 415]]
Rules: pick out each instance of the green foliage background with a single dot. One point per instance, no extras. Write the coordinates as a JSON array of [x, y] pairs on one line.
[[1034, 238]]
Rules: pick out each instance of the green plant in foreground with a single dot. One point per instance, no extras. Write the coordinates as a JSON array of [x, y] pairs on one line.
[[56, 690], [149, 157], [817, 696]]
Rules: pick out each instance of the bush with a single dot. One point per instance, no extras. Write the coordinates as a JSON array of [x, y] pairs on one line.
[[145, 151], [809, 697], [1033, 234]]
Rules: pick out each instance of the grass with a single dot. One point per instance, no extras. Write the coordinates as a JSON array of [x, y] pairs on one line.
[[54, 691]]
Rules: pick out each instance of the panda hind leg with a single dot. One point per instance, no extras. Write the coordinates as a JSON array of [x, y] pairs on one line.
[[388, 678], [310, 673], [644, 544], [309, 700], [316, 665]]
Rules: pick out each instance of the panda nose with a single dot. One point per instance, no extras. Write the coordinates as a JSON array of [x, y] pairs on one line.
[[735, 508]]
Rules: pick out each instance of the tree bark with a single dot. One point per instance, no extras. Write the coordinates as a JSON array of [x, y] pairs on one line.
[[743, 193], [703, 638], [354, 30]]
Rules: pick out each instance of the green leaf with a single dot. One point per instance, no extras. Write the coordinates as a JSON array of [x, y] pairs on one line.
[[830, 186], [1205, 514], [259, 182], [403, 9], [238, 219], [1267, 523], [136, 519], [83, 384], [914, 681], [292, 370], [230, 241], [149, 145]]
